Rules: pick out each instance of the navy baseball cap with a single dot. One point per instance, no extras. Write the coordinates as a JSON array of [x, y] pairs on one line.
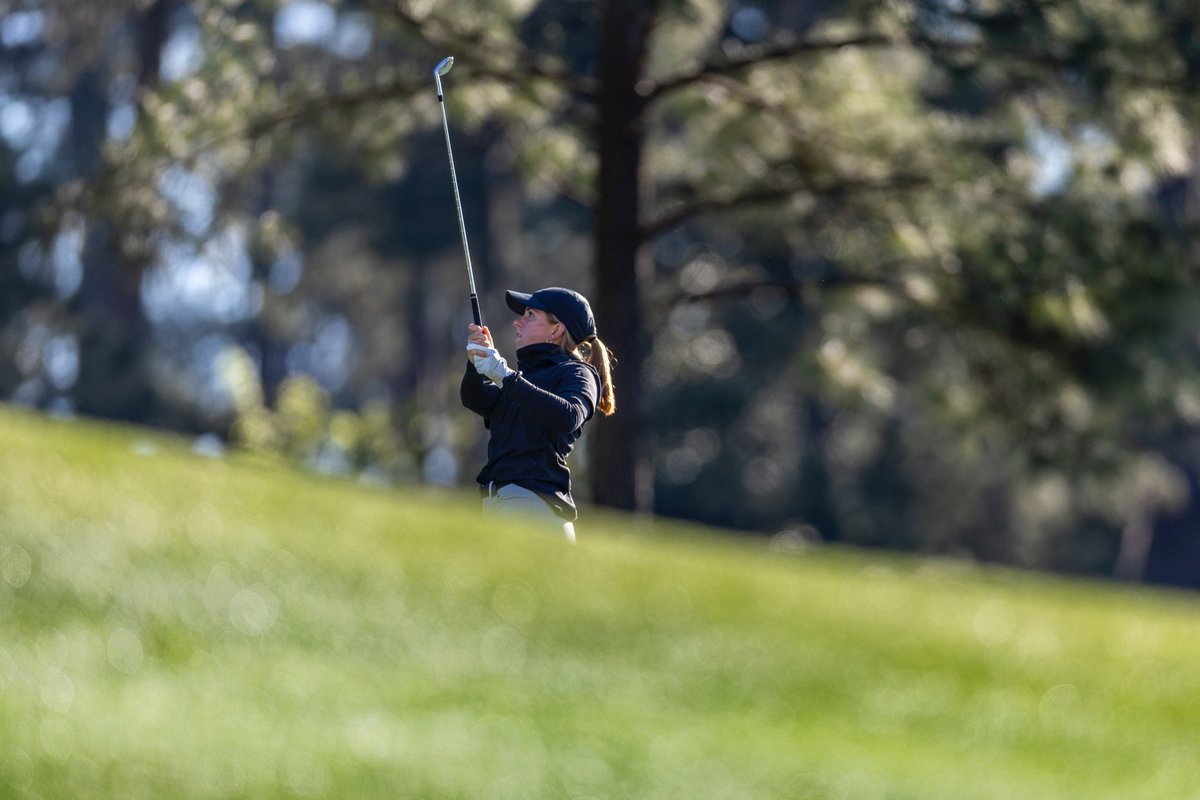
[[570, 308]]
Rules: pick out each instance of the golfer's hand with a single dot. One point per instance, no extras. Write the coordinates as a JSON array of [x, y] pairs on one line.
[[478, 335], [489, 363]]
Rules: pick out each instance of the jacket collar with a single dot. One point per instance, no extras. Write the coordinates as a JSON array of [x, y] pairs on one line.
[[543, 354]]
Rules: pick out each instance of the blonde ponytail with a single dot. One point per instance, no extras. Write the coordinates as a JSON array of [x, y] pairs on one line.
[[595, 352]]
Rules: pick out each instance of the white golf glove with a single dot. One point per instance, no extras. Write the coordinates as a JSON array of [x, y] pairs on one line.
[[489, 363]]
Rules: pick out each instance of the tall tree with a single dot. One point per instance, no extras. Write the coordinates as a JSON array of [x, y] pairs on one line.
[[67, 62], [620, 476]]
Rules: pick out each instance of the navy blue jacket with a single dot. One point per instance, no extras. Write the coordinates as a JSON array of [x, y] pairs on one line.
[[535, 420]]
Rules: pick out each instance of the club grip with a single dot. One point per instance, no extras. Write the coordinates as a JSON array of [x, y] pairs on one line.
[[475, 310]]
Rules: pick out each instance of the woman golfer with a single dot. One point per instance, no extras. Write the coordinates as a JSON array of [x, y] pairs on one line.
[[536, 412]]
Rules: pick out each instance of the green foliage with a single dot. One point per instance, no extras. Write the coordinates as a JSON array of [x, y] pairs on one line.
[[967, 334], [197, 628], [304, 429]]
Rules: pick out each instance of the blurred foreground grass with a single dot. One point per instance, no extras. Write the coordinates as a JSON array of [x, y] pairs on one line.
[[184, 627]]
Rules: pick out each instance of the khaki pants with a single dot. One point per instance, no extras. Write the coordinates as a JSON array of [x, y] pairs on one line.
[[517, 501]]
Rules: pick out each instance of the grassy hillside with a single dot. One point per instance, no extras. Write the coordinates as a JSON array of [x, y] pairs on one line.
[[183, 627]]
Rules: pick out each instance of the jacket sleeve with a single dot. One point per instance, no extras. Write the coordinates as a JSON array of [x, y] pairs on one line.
[[477, 394], [564, 410]]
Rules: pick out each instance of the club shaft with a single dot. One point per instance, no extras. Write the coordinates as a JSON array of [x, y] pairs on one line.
[[462, 225]]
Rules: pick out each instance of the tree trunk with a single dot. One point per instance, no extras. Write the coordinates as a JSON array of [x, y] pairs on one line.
[[619, 472], [112, 332], [114, 379], [1172, 555]]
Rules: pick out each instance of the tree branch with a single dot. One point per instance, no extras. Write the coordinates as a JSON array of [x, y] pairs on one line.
[[780, 49], [765, 195], [307, 109], [529, 63], [791, 286], [787, 47]]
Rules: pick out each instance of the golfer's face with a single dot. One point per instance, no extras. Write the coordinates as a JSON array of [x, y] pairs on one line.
[[533, 327]]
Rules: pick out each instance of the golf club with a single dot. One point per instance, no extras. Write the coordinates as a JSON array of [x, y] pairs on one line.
[[442, 68]]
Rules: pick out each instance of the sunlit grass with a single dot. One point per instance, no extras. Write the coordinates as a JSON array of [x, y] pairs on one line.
[[177, 626]]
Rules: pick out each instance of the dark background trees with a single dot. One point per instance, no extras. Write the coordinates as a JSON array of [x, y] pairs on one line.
[[917, 275]]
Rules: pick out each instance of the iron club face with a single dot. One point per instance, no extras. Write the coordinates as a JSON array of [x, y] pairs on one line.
[[441, 69]]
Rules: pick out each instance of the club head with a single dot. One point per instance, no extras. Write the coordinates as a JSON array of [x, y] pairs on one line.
[[444, 66]]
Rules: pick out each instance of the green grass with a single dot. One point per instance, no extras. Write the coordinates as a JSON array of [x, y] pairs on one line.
[[182, 627]]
